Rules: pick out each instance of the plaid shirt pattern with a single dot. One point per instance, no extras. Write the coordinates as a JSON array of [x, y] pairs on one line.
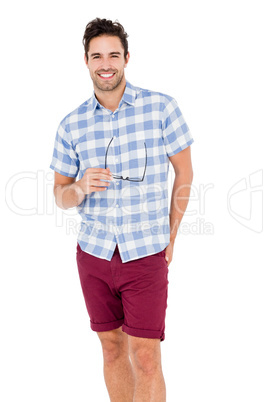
[[135, 142]]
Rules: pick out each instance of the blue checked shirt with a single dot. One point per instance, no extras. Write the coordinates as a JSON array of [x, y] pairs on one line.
[[135, 142]]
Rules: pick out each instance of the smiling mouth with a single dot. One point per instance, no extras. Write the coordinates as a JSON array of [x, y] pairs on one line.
[[106, 76]]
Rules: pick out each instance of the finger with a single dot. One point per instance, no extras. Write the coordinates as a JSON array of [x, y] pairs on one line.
[[95, 179], [99, 183], [97, 170], [107, 176], [93, 188]]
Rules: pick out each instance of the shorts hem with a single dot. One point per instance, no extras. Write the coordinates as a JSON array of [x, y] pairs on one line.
[[106, 326], [144, 333]]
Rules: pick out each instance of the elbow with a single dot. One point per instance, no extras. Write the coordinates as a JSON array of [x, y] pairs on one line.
[[191, 175], [186, 175], [58, 195], [59, 204]]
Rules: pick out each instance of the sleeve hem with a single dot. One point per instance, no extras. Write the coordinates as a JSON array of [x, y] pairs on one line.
[[63, 173], [181, 148]]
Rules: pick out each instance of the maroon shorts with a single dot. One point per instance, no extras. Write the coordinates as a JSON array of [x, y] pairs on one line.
[[131, 294]]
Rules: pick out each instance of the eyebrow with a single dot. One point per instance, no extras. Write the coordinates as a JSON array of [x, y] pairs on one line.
[[111, 53]]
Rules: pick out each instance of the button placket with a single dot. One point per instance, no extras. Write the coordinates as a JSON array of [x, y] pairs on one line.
[[114, 129]]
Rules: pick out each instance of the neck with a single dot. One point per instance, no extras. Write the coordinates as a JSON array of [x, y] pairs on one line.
[[110, 99]]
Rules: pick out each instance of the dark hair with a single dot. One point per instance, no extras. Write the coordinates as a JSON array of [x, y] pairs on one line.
[[98, 27]]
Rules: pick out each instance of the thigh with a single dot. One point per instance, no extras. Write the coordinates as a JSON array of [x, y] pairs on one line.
[[144, 296]]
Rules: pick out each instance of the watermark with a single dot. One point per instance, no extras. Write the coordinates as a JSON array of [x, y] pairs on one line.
[[130, 225], [247, 192], [30, 193]]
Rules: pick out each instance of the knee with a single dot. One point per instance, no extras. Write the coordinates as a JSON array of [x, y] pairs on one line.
[[146, 360], [112, 349]]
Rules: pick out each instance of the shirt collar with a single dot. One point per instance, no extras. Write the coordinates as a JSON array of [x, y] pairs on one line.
[[129, 97]]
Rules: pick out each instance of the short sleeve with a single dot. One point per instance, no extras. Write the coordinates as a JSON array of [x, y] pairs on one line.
[[64, 160], [176, 133]]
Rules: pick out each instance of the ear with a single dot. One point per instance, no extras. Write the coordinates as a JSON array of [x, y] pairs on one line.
[[127, 59]]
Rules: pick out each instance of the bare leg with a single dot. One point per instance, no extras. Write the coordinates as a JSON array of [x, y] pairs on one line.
[[118, 372], [149, 380]]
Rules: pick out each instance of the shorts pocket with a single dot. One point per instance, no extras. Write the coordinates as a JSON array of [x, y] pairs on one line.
[[161, 253]]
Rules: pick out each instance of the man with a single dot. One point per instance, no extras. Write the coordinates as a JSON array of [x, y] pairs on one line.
[[111, 160]]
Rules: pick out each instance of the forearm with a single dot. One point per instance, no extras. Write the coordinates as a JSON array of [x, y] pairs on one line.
[[69, 195], [179, 201]]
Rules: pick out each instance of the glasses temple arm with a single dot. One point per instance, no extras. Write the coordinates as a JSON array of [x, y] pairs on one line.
[[145, 162], [107, 151]]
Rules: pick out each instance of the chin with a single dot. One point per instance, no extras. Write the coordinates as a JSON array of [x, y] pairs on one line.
[[108, 86]]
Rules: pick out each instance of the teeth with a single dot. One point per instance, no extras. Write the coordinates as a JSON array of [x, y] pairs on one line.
[[106, 75]]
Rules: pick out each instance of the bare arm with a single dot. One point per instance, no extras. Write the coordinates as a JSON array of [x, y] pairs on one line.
[[181, 189], [70, 193]]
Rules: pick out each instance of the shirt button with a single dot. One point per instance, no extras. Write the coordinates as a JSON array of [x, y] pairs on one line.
[[112, 115], [116, 159], [117, 183], [117, 205]]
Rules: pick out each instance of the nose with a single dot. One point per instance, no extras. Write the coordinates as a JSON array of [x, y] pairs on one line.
[[106, 65]]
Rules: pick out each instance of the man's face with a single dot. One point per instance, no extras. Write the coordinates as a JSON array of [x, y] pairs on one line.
[[106, 62]]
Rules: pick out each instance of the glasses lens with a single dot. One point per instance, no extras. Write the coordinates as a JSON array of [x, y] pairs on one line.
[[127, 178]]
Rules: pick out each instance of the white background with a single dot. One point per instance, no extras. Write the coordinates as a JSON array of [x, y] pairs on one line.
[[212, 57]]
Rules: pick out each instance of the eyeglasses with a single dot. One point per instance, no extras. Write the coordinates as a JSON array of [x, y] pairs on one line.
[[127, 178]]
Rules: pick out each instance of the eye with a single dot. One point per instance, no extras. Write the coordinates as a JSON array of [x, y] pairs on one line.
[[96, 57], [114, 55]]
